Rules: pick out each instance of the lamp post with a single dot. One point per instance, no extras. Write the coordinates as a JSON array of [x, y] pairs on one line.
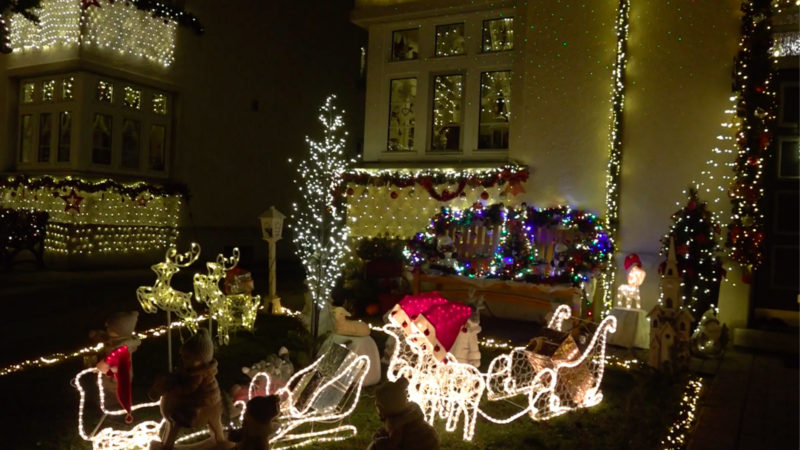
[[272, 229]]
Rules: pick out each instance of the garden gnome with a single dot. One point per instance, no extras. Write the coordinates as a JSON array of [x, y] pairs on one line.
[[115, 360], [258, 423], [345, 327], [628, 294], [404, 426], [190, 396]]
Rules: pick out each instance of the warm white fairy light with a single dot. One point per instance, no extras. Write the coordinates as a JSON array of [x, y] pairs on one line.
[[109, 438], [162, 296], [384, 208], [107, 221], [320, 230], [615, 146], [678, 432], [59, 357], [116, 26], [786, 44]]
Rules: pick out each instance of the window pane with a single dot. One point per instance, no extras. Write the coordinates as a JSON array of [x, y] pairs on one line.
[[495, 109], [160, 103], [45, 131], [450, 39], [498, 35], [405, 44], [789, 159], [448, 95], [402, 98], [105, 91], [101, 139], [130, 143], [48, 90], [158, 134], [132, 98], [25, 138], [66, 88], [64, 135], [27, 93]]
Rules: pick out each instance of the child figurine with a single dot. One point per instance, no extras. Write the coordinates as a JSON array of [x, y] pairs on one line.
[[404, 426], [258, 423], [190, 397], [115, 357]]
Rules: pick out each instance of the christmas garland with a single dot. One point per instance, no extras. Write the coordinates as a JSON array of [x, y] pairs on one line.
[[511, 174], [28, 9], [756, 111], [132, 190]]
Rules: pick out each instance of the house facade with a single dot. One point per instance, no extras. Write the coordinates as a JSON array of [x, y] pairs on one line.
[[471, 86], [168, 135]]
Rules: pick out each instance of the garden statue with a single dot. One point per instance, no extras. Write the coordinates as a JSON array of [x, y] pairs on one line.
[[345, 327], [190, 396], [404, 426], [257, 424]]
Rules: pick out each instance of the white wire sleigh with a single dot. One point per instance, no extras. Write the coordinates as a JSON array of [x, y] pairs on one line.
[[452, 390], [321, 396]]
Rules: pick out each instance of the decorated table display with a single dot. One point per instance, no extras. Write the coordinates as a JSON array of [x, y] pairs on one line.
[[523, 259]]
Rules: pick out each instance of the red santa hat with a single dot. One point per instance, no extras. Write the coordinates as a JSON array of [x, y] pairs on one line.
[[632, 260]]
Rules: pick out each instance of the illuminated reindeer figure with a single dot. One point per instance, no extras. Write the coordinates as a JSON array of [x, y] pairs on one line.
[[162, 296], [224, 308], [446, 388]]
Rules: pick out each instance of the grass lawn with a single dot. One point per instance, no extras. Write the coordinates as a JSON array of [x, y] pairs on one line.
[[41, 406]]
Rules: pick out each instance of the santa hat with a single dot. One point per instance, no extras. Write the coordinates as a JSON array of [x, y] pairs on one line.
[[632, 260], [121, 359]]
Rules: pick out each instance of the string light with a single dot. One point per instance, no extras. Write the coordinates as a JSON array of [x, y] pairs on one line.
[[110, 218], [371, 194], [320, 229], [120, 27], [615, 147], [678, 431]]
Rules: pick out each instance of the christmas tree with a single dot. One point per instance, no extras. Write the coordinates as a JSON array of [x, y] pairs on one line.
[[695, 233], [514, 256]]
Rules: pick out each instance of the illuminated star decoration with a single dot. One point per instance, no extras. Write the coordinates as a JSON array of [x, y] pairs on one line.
[[73, 201]]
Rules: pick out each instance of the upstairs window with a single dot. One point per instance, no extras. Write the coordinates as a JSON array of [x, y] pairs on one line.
[[450, 40], [405, 44], [495, 110], [498, 35], [402, 100], [448, 97]]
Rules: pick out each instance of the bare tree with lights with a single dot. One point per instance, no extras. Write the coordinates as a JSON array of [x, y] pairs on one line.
[[319, 226]]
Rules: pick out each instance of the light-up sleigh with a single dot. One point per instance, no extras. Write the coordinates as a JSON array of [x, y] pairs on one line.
[[138, 435], [443, 387], [317, 398], [553, 384]]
